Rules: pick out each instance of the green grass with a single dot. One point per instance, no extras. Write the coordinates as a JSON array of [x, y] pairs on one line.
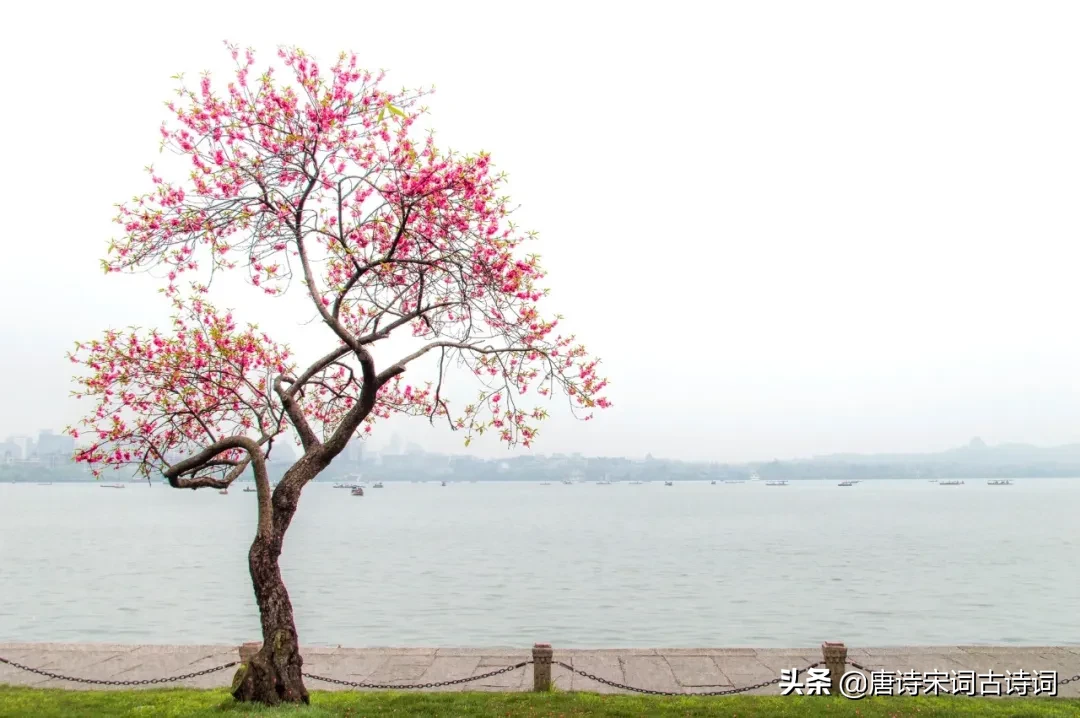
[[18, 701]]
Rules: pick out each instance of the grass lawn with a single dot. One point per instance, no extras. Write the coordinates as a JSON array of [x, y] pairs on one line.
[[18, 701]]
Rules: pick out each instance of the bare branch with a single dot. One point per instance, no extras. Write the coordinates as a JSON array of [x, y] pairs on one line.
[[296, 416]]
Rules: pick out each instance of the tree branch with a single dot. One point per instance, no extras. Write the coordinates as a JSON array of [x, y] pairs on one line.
[[205, 457], [399, 366], [296, 415], [404, 319]]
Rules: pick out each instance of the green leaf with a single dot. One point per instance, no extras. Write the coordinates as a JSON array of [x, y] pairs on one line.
[[395, 110], [382, 114]]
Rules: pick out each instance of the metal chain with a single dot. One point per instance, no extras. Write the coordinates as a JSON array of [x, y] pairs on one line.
[[1067, 681], [726, 692], [853, 664], [416, 686], [103, 682]]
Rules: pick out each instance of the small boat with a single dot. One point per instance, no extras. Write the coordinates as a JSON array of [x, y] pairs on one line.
[[343, 486], [377, 485], [736, 481], [45, 483], [249, 489], [444, 483], [568, 483], [999, 482], [846, 483], [669, 483], [545, 483], [713, 483], [224, 492], [776, 483], [950, 483], [358, 491], [754, 476], [635, 483], [113, 486]]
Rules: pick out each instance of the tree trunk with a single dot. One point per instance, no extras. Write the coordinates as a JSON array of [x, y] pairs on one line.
[[273, 675]]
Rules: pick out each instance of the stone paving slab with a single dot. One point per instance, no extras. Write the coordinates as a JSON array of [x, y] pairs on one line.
[[679, 670]]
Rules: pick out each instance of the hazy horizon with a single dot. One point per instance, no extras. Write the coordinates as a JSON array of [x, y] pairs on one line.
[[788, 230]]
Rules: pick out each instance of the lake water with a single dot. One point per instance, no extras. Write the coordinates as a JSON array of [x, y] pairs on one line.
[[507, 564]]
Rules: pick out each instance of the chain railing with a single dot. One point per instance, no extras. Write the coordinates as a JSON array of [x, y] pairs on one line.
[[106, 682], [417, 686], [651, 692], [537, 660]]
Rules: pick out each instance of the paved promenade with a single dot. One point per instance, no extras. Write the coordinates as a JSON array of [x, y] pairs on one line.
[[683, 669]]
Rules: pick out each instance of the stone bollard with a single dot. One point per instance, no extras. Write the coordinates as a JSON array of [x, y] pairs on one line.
[[542, 654], [835, 655], [248, 650]]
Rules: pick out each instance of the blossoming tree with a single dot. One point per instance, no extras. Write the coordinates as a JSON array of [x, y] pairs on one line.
[[316, 182]]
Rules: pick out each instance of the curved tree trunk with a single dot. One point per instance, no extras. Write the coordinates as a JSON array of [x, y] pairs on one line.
[[273, 675]]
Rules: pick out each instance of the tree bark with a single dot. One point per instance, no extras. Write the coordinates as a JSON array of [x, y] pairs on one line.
[[273, 675]]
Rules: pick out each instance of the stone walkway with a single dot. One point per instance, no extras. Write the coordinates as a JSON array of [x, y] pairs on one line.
[[683, 669]]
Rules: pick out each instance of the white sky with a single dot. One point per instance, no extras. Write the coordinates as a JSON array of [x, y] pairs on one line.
[[788, 228]]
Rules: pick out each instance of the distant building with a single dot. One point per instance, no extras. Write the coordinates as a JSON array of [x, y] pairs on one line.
[[24, 447], [54, 445], [354, 450], [10, 452]]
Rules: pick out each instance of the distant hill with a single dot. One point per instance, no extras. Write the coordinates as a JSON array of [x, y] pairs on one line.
[[976, 459], [977, 452]]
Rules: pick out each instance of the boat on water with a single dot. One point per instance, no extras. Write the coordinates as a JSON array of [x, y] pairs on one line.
[[735, 481], [754, 476], [568, 482], [846, 483], [45, 483], [358, 491], [249, 489], [224, 492], [635, 483], [113, 486], [776, 483], [999, 482], [669, 483], [444, 483], [377, 485], [950, 483]]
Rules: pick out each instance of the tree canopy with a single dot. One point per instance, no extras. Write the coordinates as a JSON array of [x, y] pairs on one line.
[[319, 184]]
